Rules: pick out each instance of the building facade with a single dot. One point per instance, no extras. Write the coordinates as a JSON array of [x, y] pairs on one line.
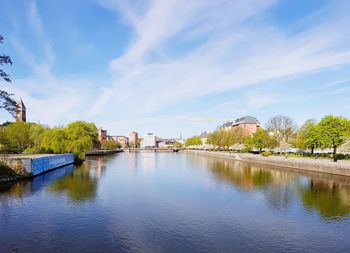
[[122, 140], [102, 134], [248, 123], [134, 138], [149, 140], [21, 111], [204, 137]]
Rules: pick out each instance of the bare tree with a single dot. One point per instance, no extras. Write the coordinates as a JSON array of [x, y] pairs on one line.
[[282, 127], [6, 101]]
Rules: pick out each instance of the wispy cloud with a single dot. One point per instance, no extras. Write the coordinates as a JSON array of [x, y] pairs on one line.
[[244, 53], [217, 55]]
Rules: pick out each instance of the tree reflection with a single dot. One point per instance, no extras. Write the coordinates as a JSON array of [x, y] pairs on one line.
[[26, 187], [79, 186], [331, 200], [276, 185], [327, 194]]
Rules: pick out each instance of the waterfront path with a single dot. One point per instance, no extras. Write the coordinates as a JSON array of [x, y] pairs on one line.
[[342, 167]]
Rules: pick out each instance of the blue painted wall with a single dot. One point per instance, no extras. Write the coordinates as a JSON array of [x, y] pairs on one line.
[[43, 164]]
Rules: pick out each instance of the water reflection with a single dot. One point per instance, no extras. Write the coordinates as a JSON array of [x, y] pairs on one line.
[[23, 188], [328, 195], [80, 185], [330, 199]]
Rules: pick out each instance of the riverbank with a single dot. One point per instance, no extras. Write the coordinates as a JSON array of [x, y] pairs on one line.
[[7, 174], [103, 152], [341, 168], [15, 167]]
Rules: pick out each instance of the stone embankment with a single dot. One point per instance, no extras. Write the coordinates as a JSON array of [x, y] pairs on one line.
[[341, 167], [103, 152], [7, 174], [13, 167]]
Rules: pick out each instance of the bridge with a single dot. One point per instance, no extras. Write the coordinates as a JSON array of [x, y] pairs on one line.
[[152, 149]]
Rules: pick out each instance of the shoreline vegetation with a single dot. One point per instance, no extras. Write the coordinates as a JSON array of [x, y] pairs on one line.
[[78, 137], [281, 135]]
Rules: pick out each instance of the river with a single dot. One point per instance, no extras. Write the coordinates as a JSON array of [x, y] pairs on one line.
[[175, 202]]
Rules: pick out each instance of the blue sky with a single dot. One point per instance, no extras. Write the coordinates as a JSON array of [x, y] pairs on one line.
[[176, 67]]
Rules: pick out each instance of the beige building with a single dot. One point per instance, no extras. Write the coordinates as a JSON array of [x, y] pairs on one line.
[[134, 137], [204, 137], [21, 111], [123, 140]]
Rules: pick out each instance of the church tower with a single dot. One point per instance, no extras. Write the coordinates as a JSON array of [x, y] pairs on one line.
[[21, 111]]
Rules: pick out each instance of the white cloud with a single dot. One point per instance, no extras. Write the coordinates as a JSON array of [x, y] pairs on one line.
[[234, 52], [181, 50]]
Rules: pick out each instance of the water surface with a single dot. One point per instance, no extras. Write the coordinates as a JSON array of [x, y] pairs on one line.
[[173, 202]]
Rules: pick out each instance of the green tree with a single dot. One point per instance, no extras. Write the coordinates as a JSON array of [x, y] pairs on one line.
[[260, 139], [82, 137], [334, 130], [193, 141], [313, 137], [300, 140], [54, 140], [177, 145], [18, 135], [4, 141], [36, 133], [109, 145], [214, 138]]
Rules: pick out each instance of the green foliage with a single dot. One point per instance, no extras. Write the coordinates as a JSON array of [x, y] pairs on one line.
[[81, 137], [266, 153], [54, 140], [333, 131], [4, 141], [227, 138], [260, 139], [177, 145], [109, 145], [18, 136], [300, 140], [193, 141], [78, 138]]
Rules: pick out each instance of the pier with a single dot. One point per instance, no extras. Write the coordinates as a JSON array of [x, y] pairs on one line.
[[103, 152], [153, 149]]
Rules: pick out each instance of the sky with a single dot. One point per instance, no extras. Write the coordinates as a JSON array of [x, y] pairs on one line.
[[176, 67]]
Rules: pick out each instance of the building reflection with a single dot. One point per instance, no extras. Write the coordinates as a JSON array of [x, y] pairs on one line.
[[96, 166], [147, 161], [329, 195]]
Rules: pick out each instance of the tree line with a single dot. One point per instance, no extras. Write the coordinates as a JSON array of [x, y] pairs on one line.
[[29, 138], [281, 131]]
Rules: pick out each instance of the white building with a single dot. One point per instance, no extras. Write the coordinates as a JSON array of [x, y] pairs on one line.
[[149, 140]]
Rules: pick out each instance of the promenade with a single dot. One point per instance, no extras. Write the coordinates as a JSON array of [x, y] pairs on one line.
[[342, 167]]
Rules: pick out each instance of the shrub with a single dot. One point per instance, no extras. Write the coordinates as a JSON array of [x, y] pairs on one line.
[[266, 153]]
